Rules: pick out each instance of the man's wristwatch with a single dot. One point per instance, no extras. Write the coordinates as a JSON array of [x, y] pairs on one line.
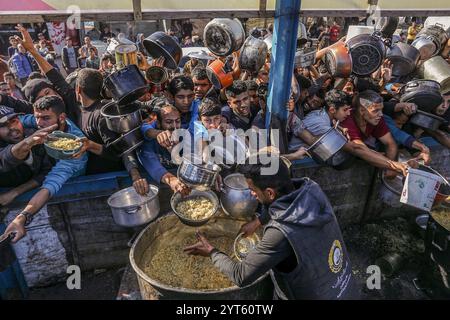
[[28, 217]]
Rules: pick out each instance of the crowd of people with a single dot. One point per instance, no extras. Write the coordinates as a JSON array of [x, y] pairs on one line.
[[35, 99]]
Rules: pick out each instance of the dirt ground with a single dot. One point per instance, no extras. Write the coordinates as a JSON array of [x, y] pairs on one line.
[[365, 243]]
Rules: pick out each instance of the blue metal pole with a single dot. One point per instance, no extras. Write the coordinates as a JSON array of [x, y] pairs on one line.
[[284, 43]]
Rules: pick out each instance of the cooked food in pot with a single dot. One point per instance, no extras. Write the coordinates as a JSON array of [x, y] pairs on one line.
[[195, 208], [65, 144], [168, 264]]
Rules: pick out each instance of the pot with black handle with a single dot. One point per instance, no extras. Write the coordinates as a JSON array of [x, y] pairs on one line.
[[122, 119], [424, 93]]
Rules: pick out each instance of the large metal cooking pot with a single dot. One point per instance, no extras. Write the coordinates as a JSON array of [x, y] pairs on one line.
[[328, 145], [253, 54], [151, 288], [368, 52], [122, 119], [126, 85], [437, 239], [130, 209], [224, 36], [427, 120], [129, 141], [424, 93], [437, 69], [236, 198], [196, 174], [430, 41], [404, 58], [159, 45], [338, 62]]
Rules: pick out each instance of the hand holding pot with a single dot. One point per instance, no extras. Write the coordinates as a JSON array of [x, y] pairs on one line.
[[164, 138], [141, 186], [16, 227]]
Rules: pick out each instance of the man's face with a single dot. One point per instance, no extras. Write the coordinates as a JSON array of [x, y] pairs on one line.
[[5, 89], [47, 92], [10, 81], [240, 104], [47, 118], [314, 102], [373, 113], [201, 87], [265, 197], [443, 107], [211, 122], [13, 42], [183, 100], [87, 40], [21, 48], [12, 132], [170, 120], [254, 98], [69, 43], [341, 113]]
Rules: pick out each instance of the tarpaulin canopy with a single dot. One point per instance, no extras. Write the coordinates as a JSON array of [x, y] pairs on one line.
[[125, 10]]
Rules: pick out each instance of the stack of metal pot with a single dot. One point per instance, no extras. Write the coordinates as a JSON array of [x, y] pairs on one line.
[[123, 113]]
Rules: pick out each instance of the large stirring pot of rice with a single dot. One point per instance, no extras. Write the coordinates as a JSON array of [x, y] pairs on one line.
[[164, 271]]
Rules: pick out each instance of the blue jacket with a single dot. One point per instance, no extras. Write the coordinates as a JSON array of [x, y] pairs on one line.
[[155, 159], [400, 136], [22, 64], [63, 170]]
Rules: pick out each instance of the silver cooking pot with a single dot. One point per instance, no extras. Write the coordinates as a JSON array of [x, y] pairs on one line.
[[130, 209], [122, 119], [404, 58], [430, 41], [236, 198], [328, 145], [224, 36], [424, 93], [196, 174], [368, 52], [436, 69], [253, 54]]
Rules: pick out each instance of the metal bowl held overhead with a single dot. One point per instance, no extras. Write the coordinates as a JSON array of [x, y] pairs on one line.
[[177, 198], [387, 26], [128, 142], [236, 198], [427, 120], [196, 174], [404, 58], [224, 36], [327, 146], [130, 209], [430, 41], [126, 85], [436, 69], [122, 119], [424, 93], [305, 57], [159, 45], [338, 62], [368, 52], [253, 54]]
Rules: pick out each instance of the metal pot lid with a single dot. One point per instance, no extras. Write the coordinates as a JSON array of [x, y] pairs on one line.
[[128, 197]]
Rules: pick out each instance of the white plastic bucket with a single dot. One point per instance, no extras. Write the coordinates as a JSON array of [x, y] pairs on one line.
[[420, 189]]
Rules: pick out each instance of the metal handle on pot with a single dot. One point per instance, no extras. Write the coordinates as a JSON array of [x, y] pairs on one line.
[[435, 244], [133, 210]]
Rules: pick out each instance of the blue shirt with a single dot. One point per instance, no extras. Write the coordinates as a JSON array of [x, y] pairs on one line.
[[155, 159], [400, 136], [63, 170]]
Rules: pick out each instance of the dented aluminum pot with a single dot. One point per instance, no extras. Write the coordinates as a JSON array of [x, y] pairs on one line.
[[253, 54], [224, 36]]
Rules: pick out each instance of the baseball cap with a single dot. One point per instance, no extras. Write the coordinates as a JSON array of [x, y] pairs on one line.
[[6, 114]]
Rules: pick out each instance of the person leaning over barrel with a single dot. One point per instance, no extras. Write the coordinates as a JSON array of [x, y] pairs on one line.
[[302, 243]]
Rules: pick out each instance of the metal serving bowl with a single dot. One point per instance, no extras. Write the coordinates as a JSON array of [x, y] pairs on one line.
[[196, 174], [249, 243], [177, 198]]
